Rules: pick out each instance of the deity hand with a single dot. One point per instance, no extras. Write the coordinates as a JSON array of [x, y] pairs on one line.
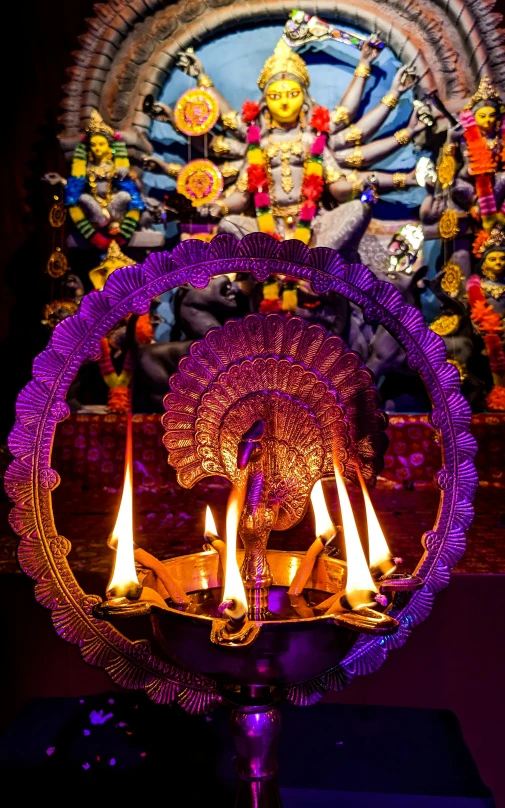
[[53, 178], [189, 63], [151, 162], [370, 49], [404, 80], [122, 172], [216, 210], [158, 111], [415, 124], [114, 229]]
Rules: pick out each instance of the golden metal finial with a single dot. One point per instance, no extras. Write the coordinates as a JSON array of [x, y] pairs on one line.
[[284, 60], [97, 126]]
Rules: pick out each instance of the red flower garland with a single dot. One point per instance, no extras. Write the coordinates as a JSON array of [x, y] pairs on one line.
[[257, 180], [320, 119], [250, 111], [312, 187]]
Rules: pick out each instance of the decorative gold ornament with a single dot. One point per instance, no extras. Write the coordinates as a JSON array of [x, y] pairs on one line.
[[448, 225], [451, 279], [460, 368], [331, 175], [229, 170], [445, 324], [200, 181], [243, 183], [363, 71], [223, 207], [219, 146], [174, 169], [196, 111], [57, 214], [101, 173], [486, 91], [354, 134], [495, 240], [97, 126], [57, 264], [340, 115], [230, 119], [204, 81], [285, 148], [115, 259], [403, 137], [56, 311], [356, 158], [390, 100], [446, 170], [493, 289], [399, 180], [283, 60], [355, 182]]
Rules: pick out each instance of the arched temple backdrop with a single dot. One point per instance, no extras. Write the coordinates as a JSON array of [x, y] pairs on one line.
[[128, 50]]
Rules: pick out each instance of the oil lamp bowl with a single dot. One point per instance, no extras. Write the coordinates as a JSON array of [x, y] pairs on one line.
[[286, 651]]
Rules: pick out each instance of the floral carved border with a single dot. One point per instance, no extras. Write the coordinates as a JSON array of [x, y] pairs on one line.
[[130, 46], [30, 479]]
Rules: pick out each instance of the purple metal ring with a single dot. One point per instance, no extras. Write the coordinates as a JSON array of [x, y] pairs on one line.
[[41, 405]]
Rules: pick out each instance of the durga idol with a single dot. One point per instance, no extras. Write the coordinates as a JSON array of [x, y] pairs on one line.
[[302, 168]]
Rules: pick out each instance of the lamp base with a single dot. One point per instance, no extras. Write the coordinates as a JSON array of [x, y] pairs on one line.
[[255, 730]]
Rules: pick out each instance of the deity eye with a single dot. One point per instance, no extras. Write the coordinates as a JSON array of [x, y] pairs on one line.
[[274, 96], [294, 94]]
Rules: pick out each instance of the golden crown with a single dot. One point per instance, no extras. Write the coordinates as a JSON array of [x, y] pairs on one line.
[[486, 91], [495, 241], [283, 60], [97, 126]]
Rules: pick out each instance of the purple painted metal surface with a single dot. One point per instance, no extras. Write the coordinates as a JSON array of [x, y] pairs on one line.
[[41, 406]]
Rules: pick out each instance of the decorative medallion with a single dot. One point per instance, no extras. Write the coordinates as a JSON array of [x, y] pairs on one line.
[[196, 111], [200, 181], [445, 324], [449, 226], [57, 264], [451, 279], [57, 214]]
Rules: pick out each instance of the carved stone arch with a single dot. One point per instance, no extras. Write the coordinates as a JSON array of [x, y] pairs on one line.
[[129, 48]]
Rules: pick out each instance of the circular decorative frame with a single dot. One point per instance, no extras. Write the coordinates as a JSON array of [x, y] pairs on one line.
[[41, 405]]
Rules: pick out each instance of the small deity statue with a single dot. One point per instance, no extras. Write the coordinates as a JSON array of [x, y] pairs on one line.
[[471, 178], [103, 197], [486, 297], [301, 170]]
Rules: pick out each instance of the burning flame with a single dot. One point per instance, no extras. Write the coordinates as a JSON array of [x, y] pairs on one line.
[[377, 544], [358, 574], [233, 584], [210, 525], [124, 577], [324, 526]]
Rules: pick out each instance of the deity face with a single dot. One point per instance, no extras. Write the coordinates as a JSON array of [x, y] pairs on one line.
[[284, 100], [486, 118], [99, 146], [494, 264]]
